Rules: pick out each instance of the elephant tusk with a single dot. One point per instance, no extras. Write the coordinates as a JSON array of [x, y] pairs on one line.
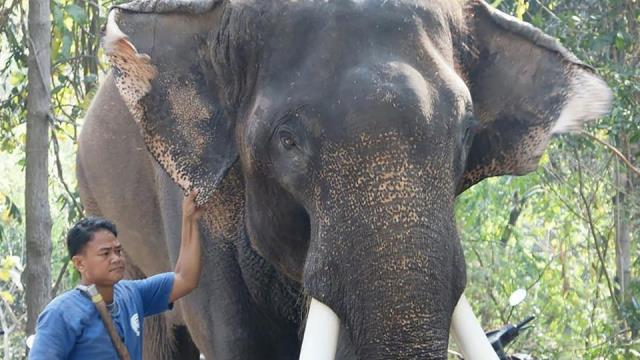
[[321, 333], [468, 333], [320, 339]]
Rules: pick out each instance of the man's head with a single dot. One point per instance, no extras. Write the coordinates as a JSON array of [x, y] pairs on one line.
[[95, 251]]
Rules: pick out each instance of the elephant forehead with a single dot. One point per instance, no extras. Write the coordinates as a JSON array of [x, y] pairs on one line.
[[333, 32], [393, 83]]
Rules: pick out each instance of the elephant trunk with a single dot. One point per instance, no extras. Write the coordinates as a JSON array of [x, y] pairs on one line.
[[393, 282], [384, 253]]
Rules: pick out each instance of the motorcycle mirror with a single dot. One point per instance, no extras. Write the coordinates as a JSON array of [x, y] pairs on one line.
[[517, 297]]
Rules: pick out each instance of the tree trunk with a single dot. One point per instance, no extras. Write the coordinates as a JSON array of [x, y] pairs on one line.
[[623, 222], [621, 204], [633, 184], [37, 273], [623, 255]]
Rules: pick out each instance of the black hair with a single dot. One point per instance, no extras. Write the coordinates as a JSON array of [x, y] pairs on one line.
[[82, 232]]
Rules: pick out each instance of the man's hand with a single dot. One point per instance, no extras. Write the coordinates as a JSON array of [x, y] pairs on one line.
[[190, 211], [189, 265]]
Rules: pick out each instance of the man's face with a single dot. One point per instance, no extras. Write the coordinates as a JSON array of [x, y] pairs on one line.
[[101, 261]]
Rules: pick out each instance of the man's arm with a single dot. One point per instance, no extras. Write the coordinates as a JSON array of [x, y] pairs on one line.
[[188, 266], [54, 338]]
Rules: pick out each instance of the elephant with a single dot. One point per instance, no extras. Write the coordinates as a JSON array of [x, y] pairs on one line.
[[327, 141]]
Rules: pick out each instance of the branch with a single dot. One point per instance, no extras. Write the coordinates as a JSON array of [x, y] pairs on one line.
[[593, 232], [545, 8], [63, 270], [6, 13], [615, 151], [565, 202], [56, 151], [73, 59], [518, 204], [536, 281], [10, 312], [489, 288]]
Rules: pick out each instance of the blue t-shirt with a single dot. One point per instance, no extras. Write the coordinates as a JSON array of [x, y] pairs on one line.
[[71, 328]]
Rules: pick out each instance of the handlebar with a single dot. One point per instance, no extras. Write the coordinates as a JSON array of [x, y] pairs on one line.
[[502, 337]]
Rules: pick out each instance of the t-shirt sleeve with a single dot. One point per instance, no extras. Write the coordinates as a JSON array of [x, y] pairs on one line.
[[155, 292], [54, 337]]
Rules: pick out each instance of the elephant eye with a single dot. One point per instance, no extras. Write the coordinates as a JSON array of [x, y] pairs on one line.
[[287, 140]]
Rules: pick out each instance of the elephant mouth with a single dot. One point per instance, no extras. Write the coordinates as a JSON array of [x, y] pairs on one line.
[[390, 283], [322, 329]]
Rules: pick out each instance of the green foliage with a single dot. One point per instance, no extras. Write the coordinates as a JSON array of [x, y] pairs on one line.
[[563, 247], [74, 75], [11, 293]]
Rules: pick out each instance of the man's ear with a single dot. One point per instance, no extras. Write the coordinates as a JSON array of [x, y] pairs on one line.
[[169, 88], [78, 263], [525, 87]]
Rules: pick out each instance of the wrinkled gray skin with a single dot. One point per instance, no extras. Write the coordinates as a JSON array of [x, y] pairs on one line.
[[328, 141]]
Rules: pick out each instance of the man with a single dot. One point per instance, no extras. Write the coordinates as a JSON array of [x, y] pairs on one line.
[[70, 326]]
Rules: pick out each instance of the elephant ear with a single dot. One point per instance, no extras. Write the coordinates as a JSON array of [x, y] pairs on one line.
[[525, 87], [170, 89]]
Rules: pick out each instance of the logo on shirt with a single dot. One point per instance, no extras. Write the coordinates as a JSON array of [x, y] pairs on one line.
[[135, 324]]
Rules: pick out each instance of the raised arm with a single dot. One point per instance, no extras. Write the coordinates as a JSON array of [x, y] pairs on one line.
[[189, 264]]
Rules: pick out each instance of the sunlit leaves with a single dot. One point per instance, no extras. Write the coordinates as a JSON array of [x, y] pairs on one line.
[[521, 8], [577, 316], [6, 296], [74, 76], [10, 270], [10, 211]]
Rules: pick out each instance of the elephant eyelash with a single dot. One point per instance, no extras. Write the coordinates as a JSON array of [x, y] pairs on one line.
[[290, 114], [280, 128]]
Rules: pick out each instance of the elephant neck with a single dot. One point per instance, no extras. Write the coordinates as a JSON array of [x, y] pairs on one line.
[[271, 290]]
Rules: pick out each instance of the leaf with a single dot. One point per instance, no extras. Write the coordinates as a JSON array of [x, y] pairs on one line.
[[14, 262], [4, 275], [619, 41], [67, 41], [76, 12], [58, 18], [90, 79], [6, 296], [12, 211], [55, 43], [15, 279], [521, 7]]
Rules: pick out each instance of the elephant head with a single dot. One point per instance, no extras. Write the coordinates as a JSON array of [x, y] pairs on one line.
[[355, 125]]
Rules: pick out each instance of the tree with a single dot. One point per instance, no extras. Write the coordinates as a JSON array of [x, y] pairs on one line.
[[575, 244], [38, 216]]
